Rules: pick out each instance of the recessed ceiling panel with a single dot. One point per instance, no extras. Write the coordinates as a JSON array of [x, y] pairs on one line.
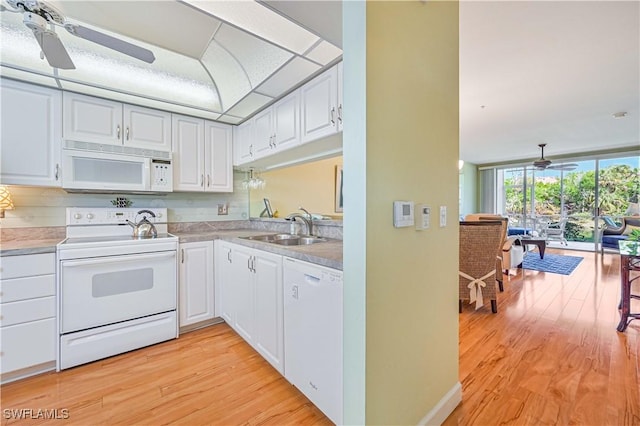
[[18, 45], [249, 105], [324, 53], [258, 58], [230, 78], [229, 119], [171, 25], [289, 76], [171, 76], [261, 21]]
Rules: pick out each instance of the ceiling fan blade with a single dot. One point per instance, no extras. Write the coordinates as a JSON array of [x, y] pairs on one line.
[[567, 167], [53, 50], [111, 42]]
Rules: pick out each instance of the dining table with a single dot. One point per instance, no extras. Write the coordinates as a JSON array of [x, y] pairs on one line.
[[629, 273]]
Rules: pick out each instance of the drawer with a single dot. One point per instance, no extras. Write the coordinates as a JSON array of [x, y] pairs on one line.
[[27, 265], [27, 288], [26, 345], [27, 310]]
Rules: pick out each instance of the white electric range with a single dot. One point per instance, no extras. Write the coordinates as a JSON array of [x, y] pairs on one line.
[[115, 293]]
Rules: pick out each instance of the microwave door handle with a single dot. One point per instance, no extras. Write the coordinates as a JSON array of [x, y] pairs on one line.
[[146, 174]]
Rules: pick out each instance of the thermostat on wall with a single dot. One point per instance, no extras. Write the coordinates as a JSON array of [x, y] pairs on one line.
[[402, 213]]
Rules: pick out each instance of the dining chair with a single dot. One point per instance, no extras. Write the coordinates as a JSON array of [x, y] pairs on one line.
[[479, 243]]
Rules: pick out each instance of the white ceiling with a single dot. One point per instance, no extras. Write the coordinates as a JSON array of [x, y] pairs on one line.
[[547, 71]]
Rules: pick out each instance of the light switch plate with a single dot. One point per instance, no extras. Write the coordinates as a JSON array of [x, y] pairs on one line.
[[443, 216], [223, 209]]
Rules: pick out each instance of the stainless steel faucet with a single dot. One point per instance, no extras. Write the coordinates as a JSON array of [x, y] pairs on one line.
[[308, 221]]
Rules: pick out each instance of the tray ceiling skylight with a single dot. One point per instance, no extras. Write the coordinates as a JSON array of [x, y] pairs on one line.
[[222, 60]]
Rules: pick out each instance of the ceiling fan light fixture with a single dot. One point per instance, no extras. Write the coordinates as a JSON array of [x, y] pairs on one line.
[[618, 115]]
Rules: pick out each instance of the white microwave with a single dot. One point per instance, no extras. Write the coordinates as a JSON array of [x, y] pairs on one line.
[[89, 171]]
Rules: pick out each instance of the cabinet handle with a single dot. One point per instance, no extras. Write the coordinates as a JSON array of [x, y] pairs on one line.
[[202, 180], [57, 172], [249, 263], [274, 140], [118, 131], [253, 264], [229, 256], [251, 150], [340, 113], [182, 255], [294, 291], [333, 114], [208, 180], [127, 132]]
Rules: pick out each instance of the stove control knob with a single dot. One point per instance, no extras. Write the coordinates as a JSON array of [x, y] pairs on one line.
[[158, 215], [77, 216], [89, 216]]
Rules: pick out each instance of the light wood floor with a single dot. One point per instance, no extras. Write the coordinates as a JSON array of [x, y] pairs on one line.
[[552, 355], [209, 376]]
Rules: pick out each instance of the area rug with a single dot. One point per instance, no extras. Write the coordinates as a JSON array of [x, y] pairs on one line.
[[554, 263]]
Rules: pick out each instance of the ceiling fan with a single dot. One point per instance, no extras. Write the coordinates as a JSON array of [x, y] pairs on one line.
[[543, 163], [37, 14]]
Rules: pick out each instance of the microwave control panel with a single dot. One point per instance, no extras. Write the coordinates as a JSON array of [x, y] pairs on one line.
[[161, 175]]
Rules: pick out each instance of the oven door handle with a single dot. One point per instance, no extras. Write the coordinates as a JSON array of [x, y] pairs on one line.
[[118, 259]]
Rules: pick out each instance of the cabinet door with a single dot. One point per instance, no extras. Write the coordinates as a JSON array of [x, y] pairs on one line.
[[31, 132], [269, 325], [89, 119], [196, 282], [243, 293], [28, 345], [319, 111], [147, 128], [286, 122], [263, 134], [188, 152], [218, 157], [339, 69], [224, 282], [243, 143]]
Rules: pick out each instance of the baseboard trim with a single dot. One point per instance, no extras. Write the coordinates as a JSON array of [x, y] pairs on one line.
[[444, 407]]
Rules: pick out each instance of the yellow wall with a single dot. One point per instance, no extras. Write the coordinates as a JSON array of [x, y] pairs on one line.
[[412, 154], [311, 185]]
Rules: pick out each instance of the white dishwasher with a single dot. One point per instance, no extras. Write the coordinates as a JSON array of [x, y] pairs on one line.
[[313, 334]]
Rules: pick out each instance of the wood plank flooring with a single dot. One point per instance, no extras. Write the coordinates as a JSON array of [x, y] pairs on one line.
[[206, 377], [552, 355]]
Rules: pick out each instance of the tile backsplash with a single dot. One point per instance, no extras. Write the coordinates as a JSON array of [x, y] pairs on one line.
[[40, 207]]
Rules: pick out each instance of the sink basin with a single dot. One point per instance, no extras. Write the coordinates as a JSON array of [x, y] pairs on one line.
[[301, 241], [272, 237], [287, 239]]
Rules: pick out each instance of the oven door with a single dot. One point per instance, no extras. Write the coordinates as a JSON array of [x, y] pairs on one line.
[[105, 290]]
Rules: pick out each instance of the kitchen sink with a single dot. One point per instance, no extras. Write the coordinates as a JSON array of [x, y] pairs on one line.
[[287, 239]]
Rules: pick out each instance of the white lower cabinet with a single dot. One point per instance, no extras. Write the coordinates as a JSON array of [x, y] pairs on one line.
[[27, 315], [196, 285], [249, 289]]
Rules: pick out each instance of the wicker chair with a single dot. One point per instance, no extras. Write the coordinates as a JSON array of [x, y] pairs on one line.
[[479, 243], [510, 253]]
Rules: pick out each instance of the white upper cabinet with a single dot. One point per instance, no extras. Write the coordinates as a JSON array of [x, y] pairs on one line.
[[202, 155], [31, 130], [319, 99], [188, 151], [147, 128], [89, 119], [273, 130], [243, 143], [218, 157]]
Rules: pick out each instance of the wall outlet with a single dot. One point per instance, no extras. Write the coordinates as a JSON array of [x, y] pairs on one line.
[[223, 209]]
